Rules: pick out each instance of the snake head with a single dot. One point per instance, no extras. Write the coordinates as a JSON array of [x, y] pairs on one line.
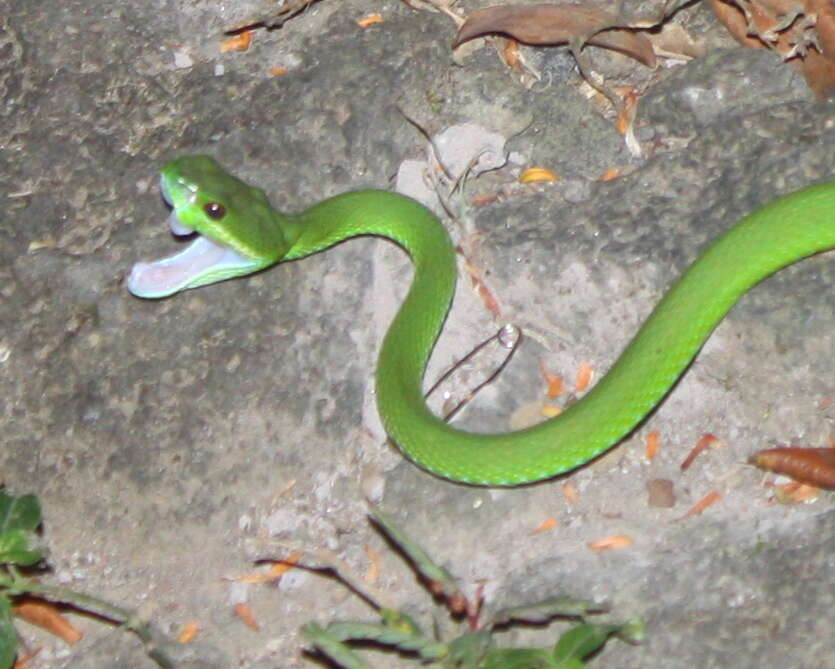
[[236, 230]]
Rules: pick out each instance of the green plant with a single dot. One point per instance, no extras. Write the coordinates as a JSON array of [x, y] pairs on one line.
[[475, 648]]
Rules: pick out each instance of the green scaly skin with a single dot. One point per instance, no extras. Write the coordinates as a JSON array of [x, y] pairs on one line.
[[788, 229]]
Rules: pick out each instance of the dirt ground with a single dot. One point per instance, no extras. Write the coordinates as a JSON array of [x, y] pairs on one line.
[[173, 442]]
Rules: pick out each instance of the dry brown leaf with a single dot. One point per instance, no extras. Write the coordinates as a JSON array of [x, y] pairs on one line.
[[557, 24], [674, 40], [545, 526], [612, 542], [188, 632], [653, 444], [810, 23], [239, 42], [370, 20], [569, 491], [373, 572], [46, 616], [490, 302], [708, 500], [277, 570], [23, 661], [796, 493], [244, 612], [813, 466], [705, 441], [556, 386], [535, 174], [584, 376]]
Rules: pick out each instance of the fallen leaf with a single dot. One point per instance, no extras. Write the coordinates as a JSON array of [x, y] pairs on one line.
[[276, 571], [705, 441], [554, 382], [46, 616], [370, 20], [796, 493], [244, 612], [545, 526], [584, 376], [610, 174], [188, 632], [814, 466], [557, 24], [490, 302], [569, 491], [673, 40], [801, 31], [708, 500], [239, 42], [373, 572], [510, 53], [612, 542], [278, 71], [653, 444], [626, 115], [536, 174]]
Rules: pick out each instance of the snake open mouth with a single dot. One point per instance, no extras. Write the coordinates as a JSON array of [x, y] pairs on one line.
[[203, 261]]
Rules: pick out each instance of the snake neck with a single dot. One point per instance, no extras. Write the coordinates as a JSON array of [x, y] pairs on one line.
[[414, 330]]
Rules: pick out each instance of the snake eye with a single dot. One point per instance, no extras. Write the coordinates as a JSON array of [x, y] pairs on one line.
[[215, 210]]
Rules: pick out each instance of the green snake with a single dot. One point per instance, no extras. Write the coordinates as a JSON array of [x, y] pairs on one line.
[[239, 232]]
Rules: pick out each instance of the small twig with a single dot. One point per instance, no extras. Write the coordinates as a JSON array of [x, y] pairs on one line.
[[329, 561]]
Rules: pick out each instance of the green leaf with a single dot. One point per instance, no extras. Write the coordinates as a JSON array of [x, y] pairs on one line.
[[388, 636], [19, 513], [332, 648], [441, 581], [468, 650], [552, 607], [8, 635], [520, 658], [581, 641], [16, 547]]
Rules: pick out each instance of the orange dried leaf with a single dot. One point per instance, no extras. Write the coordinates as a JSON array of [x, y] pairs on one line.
[[536, 174], [276, 571], [239, 42], [278, 71], [370, 20], [557, 24], [705, 441], [188, 632], [23, 662], [708, 500], [612, 542], [584, 376], [796, 493], [545, 526], [244, 612], [569, 491], [610, 174], [511, 54], [46, 616], [556, 386], [626, 115], [814, 466], [373, 572], [653, 444]]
